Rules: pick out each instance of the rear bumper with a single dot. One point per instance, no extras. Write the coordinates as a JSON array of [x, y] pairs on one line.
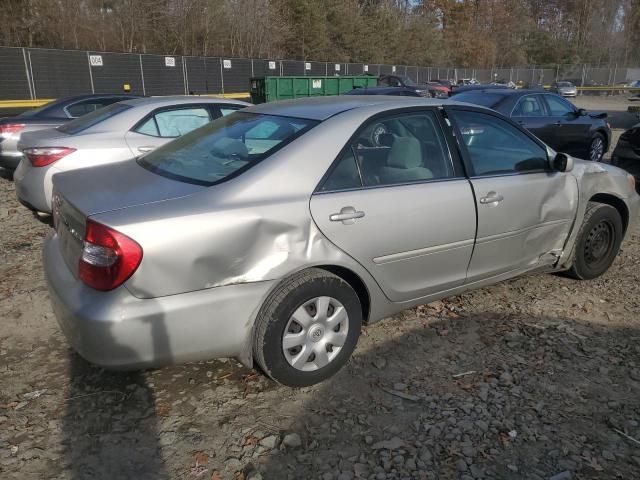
[[34, 186], [118, 330]]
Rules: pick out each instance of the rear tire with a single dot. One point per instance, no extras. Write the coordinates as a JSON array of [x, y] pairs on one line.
[[598, 242], [307, 328]]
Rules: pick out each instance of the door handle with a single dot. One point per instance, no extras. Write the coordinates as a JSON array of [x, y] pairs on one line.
[[558, 124], [347, 215], [146, 148], [492, 197]]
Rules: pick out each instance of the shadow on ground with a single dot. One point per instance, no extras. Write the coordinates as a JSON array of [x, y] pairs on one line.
[[483, 396]]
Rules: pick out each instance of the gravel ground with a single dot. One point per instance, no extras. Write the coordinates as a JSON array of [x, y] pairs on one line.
[[536, 378]]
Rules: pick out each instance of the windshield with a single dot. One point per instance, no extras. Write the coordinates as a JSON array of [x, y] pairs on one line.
[[565, 84], [90, 119], [224, 147], [490, 100]]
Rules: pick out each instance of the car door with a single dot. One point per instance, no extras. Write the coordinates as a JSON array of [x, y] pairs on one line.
[[396, 200], [525, 210], [531, 113], [572, 130], [165, 124]]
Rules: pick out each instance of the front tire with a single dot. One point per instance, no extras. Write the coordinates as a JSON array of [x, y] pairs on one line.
[[598, 242], [307, 328], [597, 148]]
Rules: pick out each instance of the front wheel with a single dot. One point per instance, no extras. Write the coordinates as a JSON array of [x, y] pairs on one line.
[[598, 242], [597, 148], [307, 328]]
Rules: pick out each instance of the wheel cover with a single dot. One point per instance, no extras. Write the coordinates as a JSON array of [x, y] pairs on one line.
[[599, 243], [597, 149], [315, 334]]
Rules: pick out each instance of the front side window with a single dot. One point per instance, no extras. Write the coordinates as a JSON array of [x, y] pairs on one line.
[[91, 119], [529, 106], [390, 150], [558, 107], [496, 147], [174, 123], [223, 147]]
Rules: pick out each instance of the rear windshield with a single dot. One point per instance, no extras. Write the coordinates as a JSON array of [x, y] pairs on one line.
[[90, 119], [480, 98], [224, 147]]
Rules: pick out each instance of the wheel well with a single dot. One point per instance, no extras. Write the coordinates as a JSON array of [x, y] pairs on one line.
[[356, 283], [616, 203]]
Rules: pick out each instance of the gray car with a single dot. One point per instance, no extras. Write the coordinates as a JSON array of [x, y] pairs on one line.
[[566, 89], [273, 234], [121, 131], [50, 115]]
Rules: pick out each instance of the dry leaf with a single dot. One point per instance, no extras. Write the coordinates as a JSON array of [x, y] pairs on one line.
[[251, 440], [215, 475], [200, 458], [162, 410]]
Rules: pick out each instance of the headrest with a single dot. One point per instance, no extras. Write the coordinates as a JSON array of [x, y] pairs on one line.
[[405, 153]]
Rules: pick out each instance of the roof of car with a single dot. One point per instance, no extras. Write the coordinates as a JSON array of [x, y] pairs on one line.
[[321, 108], [170, 100]]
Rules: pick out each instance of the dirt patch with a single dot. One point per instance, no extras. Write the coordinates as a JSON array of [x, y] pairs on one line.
[[534, 378]]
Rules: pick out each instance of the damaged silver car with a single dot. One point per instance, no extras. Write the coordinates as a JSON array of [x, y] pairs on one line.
[[271, 235]]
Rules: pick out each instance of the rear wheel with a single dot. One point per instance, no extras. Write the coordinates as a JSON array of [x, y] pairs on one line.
[[598, 242], [307, 329], [597, 147]]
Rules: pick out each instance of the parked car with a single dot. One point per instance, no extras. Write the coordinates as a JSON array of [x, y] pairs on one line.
[[566, 89], [468, 81], [48, 116], [479, 87], [274, 233], [553, 119], [627, 152], [115, 133], [397, 91], [424, 90]]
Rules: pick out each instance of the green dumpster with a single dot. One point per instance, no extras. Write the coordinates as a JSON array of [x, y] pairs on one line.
[[269, 89]]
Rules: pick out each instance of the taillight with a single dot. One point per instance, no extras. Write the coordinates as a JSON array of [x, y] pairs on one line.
[[43, 156], [108, 258], [10, 128]]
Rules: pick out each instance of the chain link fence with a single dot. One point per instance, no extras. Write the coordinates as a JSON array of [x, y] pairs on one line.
[[33, 73]]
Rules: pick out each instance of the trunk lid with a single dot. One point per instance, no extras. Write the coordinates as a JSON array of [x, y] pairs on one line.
[[46, 137]]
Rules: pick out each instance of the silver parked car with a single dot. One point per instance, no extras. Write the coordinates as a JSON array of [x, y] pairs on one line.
[[115, 133], [566, 89], [274, 233]]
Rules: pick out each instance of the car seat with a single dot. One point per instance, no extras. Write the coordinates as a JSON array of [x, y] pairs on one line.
[[404, 163]]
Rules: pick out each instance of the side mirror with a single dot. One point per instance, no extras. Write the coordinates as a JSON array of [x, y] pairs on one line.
[[581, 112], [562, 163]]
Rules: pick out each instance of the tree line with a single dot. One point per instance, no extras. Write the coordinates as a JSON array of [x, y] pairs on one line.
[[462, 33]]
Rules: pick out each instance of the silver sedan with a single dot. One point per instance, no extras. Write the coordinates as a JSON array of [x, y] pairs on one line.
[[115, 133], [273, 234], [566, 89]]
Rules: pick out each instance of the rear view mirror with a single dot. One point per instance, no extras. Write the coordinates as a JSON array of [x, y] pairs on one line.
[[562, 163]]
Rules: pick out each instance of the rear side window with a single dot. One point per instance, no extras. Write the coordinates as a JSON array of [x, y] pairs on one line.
[[530, 106], [496, 147], [391, 150], [224, 147], [174, 122], [89, 120]]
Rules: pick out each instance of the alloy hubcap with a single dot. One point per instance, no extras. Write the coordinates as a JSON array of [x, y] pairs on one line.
[[315, 334], [597, 149], [599, 243]]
